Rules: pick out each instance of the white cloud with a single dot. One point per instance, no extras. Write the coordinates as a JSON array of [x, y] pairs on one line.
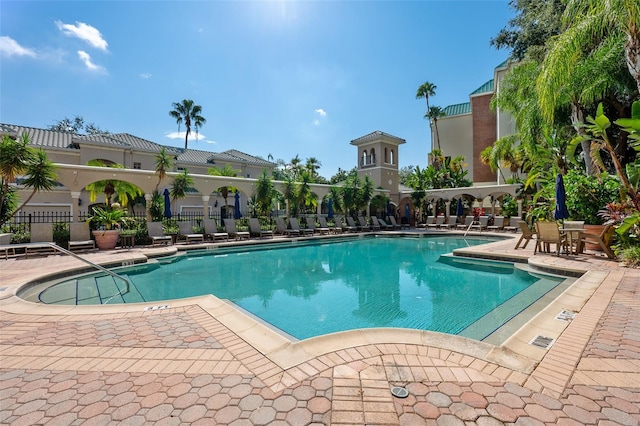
[[192, 137], [145, 75], [86, 58], [84, 32], [9, 47], [321, 115]]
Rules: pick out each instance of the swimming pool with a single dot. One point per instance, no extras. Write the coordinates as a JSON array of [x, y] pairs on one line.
[[312, 289]]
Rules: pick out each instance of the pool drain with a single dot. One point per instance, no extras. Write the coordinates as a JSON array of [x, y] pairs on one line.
[[399, 392]]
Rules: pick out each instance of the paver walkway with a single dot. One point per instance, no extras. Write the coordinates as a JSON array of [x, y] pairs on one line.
[[189, 365]]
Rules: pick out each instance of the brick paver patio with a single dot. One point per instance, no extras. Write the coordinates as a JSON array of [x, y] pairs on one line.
[[189, 364]]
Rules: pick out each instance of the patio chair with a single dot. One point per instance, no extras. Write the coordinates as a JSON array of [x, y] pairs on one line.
[[211, 230], [437, 224], [332, 229], [396, 225], [512, 224], [185, 232], [311, 224], [527, 234], [230, 227], [452, 223], [344, 227], [383, 225], [281, 228], [80, 237], [481, 223], [600, 239], [295, 225], [41, 233], [375, 226], [363, 225], [255, 230], [498, 224], [431, 220], [549, 233], [154, 229], [467, 222]]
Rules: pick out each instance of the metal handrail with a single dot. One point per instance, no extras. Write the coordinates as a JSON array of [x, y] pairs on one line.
[[95, 265]]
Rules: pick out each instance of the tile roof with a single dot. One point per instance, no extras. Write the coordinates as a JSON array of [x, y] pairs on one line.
[[61, 140], [376, 135], [485, 88], [458, 109]]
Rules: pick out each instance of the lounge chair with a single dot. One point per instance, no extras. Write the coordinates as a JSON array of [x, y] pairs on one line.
[[438, 223], [382, 224], [527, 235], [332, 229], [344, 227], [498, 224], [295, 225], [255, 230], [467, 222], [363, 225], [599, 239], [375, 226], [512, 225], [430, 221], [230, 227], [281, 228], [41, 233], [211, 230], [351, 222], [185, 232], [452, 223], [80, 237], [311, 224], [396, 225], [549, 233], [154, 229], [481, 223]]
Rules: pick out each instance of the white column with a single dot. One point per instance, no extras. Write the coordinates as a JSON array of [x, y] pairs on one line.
[[147, 199], [205, 207], [75, 210], [447, 208]]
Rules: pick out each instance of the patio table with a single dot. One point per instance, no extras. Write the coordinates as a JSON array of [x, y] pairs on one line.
[[574, 235]]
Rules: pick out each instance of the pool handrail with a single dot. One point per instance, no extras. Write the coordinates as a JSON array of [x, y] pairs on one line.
[[95, 265]]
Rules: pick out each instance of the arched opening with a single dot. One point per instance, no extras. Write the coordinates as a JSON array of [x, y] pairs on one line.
[[391, 157], [372, 158], [363, 161]]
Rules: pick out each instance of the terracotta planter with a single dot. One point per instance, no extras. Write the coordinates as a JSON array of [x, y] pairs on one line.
[[596, 230], [106, 240]]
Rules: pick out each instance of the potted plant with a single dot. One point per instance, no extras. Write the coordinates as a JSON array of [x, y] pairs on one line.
[[108, 221]]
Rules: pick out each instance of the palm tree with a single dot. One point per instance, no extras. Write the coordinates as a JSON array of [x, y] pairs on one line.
[[425, 90], [17, 158], [164, 163], [265, 192], [307, 200], [125, 191], [312, 166], [182, 183], [229, 171], [188, 113], [433, 114], [295, 166]]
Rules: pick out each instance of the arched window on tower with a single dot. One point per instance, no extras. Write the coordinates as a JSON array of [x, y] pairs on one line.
[[391, 157], [386, 155], [372, 159], [363, 161]]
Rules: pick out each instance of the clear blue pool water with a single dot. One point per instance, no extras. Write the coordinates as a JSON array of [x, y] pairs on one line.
[[319, 288]]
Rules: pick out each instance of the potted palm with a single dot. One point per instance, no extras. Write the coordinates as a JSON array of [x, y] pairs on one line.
[[107, 222]]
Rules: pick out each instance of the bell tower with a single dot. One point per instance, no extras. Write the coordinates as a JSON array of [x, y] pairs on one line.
[[378, 159]]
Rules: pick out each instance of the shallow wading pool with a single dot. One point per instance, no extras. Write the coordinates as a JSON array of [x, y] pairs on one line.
[[320, 287]]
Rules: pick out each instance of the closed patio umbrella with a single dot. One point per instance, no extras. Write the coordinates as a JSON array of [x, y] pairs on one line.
[[330, 209], [167, 204], [460, 208], [561, 211], [237, 214]]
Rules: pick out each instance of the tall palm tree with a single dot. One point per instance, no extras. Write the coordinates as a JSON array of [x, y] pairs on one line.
[[295, 166], [189, 113], [313, 164], [433, 114], [15, 156], [265, 191], [425, 90], [182, 183], [228, 171]]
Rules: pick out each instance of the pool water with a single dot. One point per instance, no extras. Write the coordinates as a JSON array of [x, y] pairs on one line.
[[320, 288]]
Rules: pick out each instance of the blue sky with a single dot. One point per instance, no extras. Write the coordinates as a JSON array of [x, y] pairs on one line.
[[273, 77]]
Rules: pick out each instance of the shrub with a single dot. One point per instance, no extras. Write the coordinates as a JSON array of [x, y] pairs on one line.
[[587, 195]]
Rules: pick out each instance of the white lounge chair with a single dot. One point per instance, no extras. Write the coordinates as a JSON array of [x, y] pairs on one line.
[[186, 233], [255, 230], [230, 227], [80, 237], [154, 229], [211, 230]]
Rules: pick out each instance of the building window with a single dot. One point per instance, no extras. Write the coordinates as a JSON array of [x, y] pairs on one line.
[[137, 166], [248, 175], [180, 169], [391, 157]]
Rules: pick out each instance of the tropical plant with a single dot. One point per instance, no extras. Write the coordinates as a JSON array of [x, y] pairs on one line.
[[425, 90], [312, 165], [433, 113], [189, 113], [182, 183], [113, 189], [164, 163], [265, 192], [305, 198], [76, 126], [109, 218], [18, 158], [229, 171]]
